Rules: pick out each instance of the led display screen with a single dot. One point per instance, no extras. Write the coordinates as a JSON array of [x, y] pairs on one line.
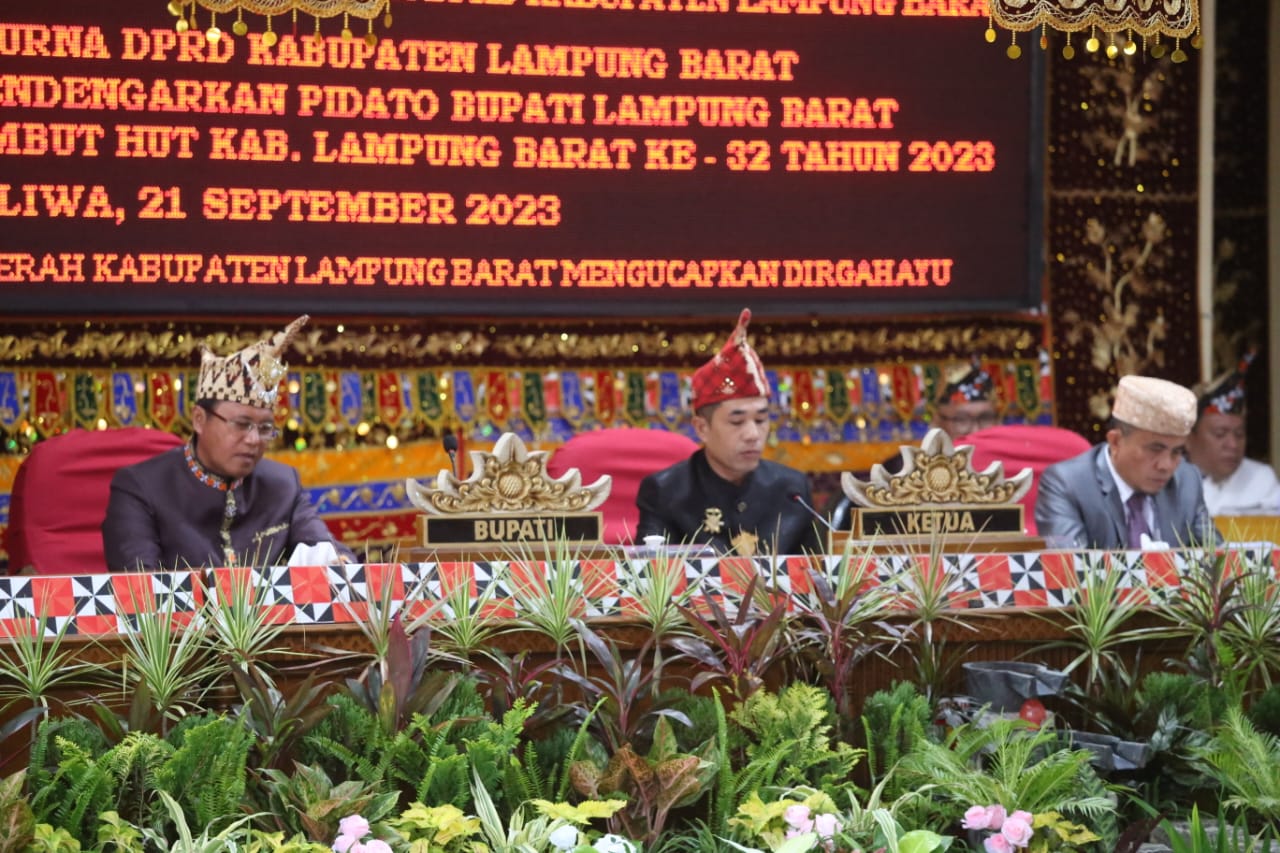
[[524, 156]]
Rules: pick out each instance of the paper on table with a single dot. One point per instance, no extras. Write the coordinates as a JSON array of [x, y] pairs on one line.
[[319, 554]]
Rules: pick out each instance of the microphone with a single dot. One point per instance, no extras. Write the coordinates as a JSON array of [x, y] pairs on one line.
[[450, 442], [798, 498]]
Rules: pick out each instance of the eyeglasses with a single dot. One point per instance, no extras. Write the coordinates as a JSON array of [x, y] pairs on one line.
[[244, 426]]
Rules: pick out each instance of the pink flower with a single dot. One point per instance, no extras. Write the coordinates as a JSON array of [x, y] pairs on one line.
[[1023, 815], [344, 843], [353, 825], [997, 844], [826, 825], [976, 817], [798, 816], [377, 845], [995, 816], [1017, 830]]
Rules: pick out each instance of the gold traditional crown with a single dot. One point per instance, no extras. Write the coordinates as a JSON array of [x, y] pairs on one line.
[[252, 375]]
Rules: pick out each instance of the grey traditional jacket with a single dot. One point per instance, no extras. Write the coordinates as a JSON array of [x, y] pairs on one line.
[[1079, 505], [161, 515]]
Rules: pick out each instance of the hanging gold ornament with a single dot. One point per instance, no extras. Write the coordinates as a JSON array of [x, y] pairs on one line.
[[366, 10], [1172, 18]]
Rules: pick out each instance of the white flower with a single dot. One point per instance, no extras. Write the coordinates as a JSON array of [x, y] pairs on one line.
[[564, 837], [614, 844]]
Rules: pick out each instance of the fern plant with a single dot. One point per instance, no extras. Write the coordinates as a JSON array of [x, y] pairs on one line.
[[207, 771], [790, 742], [1004, 764], [893, 721], [1246, 763]]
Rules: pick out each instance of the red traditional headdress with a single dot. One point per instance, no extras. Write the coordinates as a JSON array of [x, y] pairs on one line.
[[734, 373]]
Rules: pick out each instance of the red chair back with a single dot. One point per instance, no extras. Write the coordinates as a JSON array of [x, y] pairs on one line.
[[60, 493], [1024, 446], [628, 455]]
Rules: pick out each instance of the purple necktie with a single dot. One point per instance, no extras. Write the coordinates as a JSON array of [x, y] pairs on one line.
[[1137, 504]]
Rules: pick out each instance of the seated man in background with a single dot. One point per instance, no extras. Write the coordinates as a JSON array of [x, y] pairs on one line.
[[1133, 490], [963, 406], [1233, 485], [215, 501], [725, 495]]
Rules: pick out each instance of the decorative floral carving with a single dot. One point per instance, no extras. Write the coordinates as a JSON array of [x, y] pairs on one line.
[[1123, 121], [1118, 340], [509, 479], [936, 473]]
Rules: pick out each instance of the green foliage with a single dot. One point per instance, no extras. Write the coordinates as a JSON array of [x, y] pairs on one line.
[[431, 758], [618, 699], [1264, 713], [117, 835], [840, 622], [790, 743], [310, 803], [1225, 837], [167, 664], [436, 829], [17, 822], [1246, 764], [653, 784], [1004, 763], [46, 753], [227, 840], [278, 721], [206, 773], [121, 779], [738, 642], [893, 721]]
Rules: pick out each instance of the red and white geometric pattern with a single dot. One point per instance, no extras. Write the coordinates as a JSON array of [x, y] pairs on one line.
[[104, 604]]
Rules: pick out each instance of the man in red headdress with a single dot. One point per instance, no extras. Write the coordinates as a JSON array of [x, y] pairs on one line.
[[215, 501], [726, 495]]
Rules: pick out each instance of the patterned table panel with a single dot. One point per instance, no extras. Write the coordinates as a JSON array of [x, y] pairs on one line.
[[104, 604]]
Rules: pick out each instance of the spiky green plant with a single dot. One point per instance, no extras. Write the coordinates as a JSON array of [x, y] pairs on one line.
[[241, 628], [462, 622], [1098, 623], [549, 593], [927, 588], [34, 663], [1253, 632], [166, 660]]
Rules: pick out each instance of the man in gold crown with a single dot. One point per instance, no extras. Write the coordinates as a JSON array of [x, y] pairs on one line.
[[726, 495], [215, 501], [1133, 490]]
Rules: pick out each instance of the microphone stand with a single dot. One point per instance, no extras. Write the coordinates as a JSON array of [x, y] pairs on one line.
[[450, 442]]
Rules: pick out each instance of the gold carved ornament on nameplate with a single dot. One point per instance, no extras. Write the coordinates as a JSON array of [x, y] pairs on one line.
[[508, 498], [937, 492]]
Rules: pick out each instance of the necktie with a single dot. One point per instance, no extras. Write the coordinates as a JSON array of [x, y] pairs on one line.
[[1137, 505]]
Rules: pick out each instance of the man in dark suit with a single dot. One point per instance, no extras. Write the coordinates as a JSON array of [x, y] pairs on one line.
[[726, 495], [215, 501], [1133, 491]]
